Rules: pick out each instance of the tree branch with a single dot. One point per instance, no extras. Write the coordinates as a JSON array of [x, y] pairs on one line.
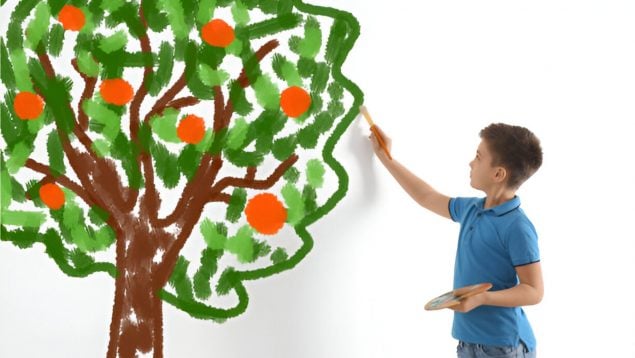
[[193, 186], [162, 102], [252, 183], [150, 202], [260, 54], [151, 197], [62, 179], [142, 91], [89, 90], [45, 60], [183, 102]]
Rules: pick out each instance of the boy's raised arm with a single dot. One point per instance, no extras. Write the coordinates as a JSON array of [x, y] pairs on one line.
[[419, 190]]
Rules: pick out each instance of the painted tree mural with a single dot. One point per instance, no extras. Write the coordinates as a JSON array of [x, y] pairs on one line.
[[138, 133]]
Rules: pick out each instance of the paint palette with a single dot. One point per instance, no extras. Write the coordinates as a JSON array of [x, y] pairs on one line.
[[453, 298]]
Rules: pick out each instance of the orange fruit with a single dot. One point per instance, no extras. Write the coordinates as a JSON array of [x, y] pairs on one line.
[[191, 129], [72, 18], [52, 196], [116, 91], [295, 101], [265, 213], [217, 33], [28, 105]]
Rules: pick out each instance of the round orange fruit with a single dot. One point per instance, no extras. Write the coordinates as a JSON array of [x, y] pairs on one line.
[[265, 213]]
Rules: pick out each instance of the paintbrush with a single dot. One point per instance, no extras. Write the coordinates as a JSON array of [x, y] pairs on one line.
[[373, 128]]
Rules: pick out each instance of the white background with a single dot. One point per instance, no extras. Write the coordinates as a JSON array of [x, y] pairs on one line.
[[434, 73]]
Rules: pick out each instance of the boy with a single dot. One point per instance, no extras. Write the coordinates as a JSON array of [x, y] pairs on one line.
[[497, 242]]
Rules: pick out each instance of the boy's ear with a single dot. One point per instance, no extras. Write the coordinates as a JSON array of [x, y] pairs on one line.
[[500, 175]]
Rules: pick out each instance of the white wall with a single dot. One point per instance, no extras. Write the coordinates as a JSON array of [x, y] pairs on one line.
[[434, 73]]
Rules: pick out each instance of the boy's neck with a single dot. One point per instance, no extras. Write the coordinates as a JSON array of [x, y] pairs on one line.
[[497, 196]]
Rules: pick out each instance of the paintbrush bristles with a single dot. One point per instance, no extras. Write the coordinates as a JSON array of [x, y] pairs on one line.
[[366, 115]]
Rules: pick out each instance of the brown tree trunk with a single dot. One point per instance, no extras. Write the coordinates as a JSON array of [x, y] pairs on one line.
[[137, 317]]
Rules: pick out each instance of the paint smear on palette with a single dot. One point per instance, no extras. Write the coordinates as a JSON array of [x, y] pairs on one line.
[[244, 156]]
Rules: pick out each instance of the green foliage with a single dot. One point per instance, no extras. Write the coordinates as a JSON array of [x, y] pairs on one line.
[[291, 175], [23, 218], [320, 77], [17, 191], [237, 134], [286, 70], [180, 280], [6, 190], [242, 244], [157, 20], [310, 199], [337, 37], [87, 64], [306, 67], [165, 163], [267, 93], [218, 142], [189, 161], [21, 70], [192, 75], [103, 119], [279, 255], [271, 26], [56, 6], [240, 13], [315, 173], [336, 91], [71, 263], [176, 17], [58, 99], [282, 148], [294, 203], [164, 125], [55, 40], [111, 5], [205, 11], [242, 106], [114, 42], [164, 72], [213, 235], [308, 136], [13, 129], [127, 13], [236, 205], [38, 26], [6, 68], [308, 46], [97, 215], [209, 266], [55, 154], [20, 153], [211, 77], [227, 281], [123, 149], [243, 159]]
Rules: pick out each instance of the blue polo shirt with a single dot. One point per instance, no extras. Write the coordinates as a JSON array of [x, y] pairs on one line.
[[492, 242]]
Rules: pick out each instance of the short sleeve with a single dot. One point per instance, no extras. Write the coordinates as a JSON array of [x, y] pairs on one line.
[[458, 207], [523, 243]]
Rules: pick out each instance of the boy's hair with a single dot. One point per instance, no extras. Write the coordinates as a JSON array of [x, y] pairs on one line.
[[514, 148]]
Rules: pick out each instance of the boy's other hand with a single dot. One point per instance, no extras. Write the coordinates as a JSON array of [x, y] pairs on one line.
[[379, 151], [469, 303]]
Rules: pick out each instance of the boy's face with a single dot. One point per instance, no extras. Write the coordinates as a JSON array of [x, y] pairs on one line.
[[482, 174]]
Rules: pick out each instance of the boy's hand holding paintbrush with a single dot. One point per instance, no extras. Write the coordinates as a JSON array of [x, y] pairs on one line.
[[381, 142]]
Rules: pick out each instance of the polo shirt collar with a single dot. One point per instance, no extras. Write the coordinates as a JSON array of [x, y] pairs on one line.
[[503, 208]]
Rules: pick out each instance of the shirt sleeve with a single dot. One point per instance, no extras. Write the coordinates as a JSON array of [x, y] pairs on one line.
[[523, 243], [458, 208]]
